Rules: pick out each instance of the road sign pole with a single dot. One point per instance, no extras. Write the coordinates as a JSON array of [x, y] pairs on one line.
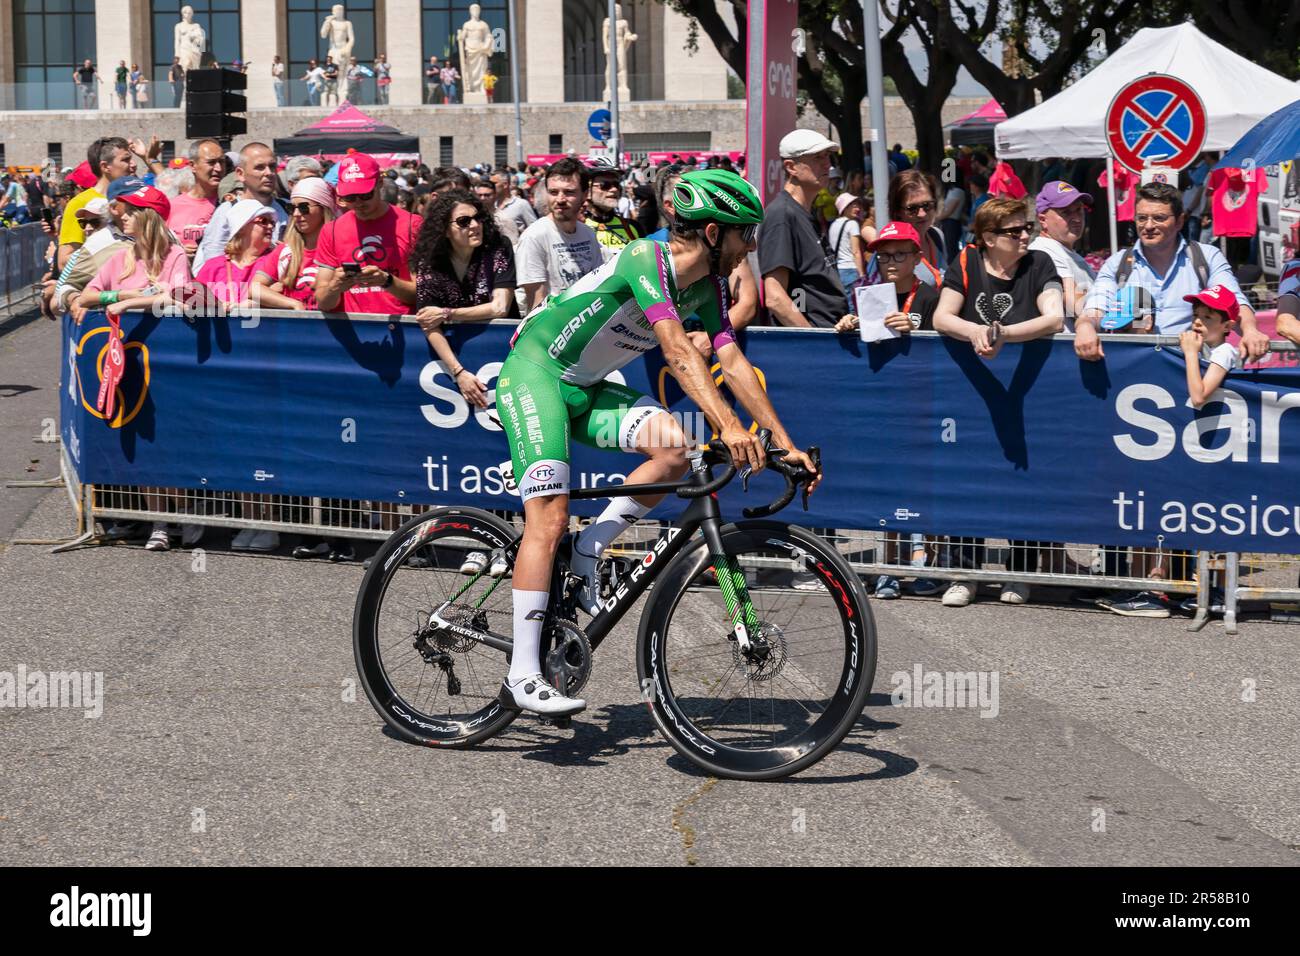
[[612, 66], [876, 92], [514, 87], [1110, 203]]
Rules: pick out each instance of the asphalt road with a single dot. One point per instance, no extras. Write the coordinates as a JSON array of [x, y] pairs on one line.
[[232, 730]]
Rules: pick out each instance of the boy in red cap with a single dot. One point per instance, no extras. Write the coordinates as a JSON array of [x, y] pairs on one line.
[[897, 248], [1213, 310]]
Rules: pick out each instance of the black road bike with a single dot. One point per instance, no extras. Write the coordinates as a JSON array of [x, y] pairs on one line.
[[755, 653]]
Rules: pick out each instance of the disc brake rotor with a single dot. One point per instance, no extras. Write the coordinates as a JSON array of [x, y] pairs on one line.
[[767, 654]]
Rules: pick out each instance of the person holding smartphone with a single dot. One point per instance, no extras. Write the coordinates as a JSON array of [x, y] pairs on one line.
[[362, 258]]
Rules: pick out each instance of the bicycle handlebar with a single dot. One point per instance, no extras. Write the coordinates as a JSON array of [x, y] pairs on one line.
[[795, 476]]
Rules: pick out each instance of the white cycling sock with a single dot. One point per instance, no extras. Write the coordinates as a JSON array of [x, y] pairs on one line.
[[530, 609], [592, 540]]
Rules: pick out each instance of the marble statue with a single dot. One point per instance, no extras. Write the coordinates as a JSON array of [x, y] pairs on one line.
[[475, 41], [624, 38], [339, 30], [189, 40]]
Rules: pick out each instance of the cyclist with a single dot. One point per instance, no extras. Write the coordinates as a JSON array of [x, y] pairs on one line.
[[553, 384], [613, 231]]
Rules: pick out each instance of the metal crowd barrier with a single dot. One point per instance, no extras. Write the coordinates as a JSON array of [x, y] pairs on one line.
[[22, 263]]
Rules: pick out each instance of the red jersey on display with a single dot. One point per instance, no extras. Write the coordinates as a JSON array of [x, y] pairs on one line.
[[385, 242], [1126, 184], [1234, 201]]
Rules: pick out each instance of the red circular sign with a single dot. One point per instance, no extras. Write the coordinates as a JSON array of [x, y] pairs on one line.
[[1157, 120]]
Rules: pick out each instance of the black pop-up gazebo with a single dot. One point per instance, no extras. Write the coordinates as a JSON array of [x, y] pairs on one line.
[[349, 128]]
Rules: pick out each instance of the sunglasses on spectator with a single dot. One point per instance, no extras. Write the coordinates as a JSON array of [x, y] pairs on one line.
[[359, 197], [1022, 229], [920, 207], [303, 208], [894, 256], [464, 221]]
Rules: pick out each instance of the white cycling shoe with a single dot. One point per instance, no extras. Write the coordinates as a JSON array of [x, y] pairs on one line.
[[536, 694], [476, 562]]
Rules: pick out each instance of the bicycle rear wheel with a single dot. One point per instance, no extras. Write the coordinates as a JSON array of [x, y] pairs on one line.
[[789, 702], [430, 685]]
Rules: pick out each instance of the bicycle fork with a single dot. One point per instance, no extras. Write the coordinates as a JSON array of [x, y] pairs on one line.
[[731, 581]]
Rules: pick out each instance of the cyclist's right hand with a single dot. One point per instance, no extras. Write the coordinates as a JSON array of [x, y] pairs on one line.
[[744, 447]]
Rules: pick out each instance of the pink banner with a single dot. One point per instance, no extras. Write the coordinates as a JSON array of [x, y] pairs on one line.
[[776, 99]]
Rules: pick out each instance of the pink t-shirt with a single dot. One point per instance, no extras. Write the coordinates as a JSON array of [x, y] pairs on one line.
[[304, 288], [229, 281], [385, 242], [175, 273], [189, 216], [1234, 203]]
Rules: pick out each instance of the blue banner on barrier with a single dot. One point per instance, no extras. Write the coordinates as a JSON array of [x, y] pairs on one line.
[[917, 435]]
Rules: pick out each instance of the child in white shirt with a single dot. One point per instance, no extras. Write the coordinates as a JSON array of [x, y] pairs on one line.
[[1213, 310]]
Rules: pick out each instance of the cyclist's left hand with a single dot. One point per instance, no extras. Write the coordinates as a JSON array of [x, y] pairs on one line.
[[795, 457]]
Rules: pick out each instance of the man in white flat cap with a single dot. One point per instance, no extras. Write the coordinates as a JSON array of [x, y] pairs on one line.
[[800, 284]]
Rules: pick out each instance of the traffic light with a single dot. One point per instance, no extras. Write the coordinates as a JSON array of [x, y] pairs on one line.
[[210, 98]]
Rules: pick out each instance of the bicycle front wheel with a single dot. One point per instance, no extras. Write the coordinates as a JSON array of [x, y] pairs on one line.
[[787, 701]]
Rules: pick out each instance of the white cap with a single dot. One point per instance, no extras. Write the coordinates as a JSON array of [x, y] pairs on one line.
[[97, 208], [244, 212], [805, 142]]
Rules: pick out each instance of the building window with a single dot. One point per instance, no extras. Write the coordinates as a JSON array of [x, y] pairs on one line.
[[442, 19], [444, 151], [501, 151], [55, 153], [2, 156], [51, 37], [556, 143], [220, 22], [306, 43]]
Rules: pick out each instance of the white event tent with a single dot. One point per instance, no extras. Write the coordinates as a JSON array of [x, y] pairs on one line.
[[1236, 92]]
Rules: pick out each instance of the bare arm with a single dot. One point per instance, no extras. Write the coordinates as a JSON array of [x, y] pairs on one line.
[[1288, 325], [1050, 319], [775, 286], [497, 308], [744, 296], [535, 294], [1199, 388], [692, 373], [261, 293]]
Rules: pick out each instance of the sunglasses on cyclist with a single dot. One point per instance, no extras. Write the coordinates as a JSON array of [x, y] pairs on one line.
[[464, 221], [747, 233]]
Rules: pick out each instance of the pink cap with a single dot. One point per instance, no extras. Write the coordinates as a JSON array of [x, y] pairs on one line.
[[895, 232], [1219, 299], [147, 197], [358, 174]]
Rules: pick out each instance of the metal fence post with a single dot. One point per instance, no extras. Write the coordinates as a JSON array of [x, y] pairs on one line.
[[1230, 593]]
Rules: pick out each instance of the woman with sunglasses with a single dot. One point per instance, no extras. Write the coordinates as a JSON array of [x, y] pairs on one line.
[[464, 272], [912, 199], [311, 206], [228, 278], [999, 291]]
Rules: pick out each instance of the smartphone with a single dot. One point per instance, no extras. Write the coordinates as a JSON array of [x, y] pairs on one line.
[[48, 215], [352, 268]]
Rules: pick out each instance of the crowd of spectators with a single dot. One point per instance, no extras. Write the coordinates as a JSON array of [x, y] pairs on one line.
[[974, 259]]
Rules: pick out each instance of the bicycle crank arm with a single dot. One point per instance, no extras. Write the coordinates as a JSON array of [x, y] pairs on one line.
[[499, 641]]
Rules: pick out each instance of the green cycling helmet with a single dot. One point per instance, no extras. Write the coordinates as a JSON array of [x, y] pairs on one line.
[[716, 195]]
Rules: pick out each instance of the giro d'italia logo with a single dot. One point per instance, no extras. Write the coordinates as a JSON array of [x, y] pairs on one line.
[[92, 350]]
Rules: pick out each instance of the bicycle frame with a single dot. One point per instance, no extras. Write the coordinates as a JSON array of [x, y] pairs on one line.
[[701, 514]]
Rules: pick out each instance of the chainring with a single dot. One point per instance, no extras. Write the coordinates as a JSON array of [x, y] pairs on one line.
[[568, 663]]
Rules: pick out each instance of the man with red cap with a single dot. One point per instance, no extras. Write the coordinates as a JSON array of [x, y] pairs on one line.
[[362, 257]]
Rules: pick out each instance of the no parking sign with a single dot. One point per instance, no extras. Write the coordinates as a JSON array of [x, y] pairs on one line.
[[1157, 120]]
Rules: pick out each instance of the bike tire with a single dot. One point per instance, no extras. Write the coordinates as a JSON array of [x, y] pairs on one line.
[[670, 662], [378, 641]]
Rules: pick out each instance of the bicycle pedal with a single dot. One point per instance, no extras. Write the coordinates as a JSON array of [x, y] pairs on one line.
[[559, 723]]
